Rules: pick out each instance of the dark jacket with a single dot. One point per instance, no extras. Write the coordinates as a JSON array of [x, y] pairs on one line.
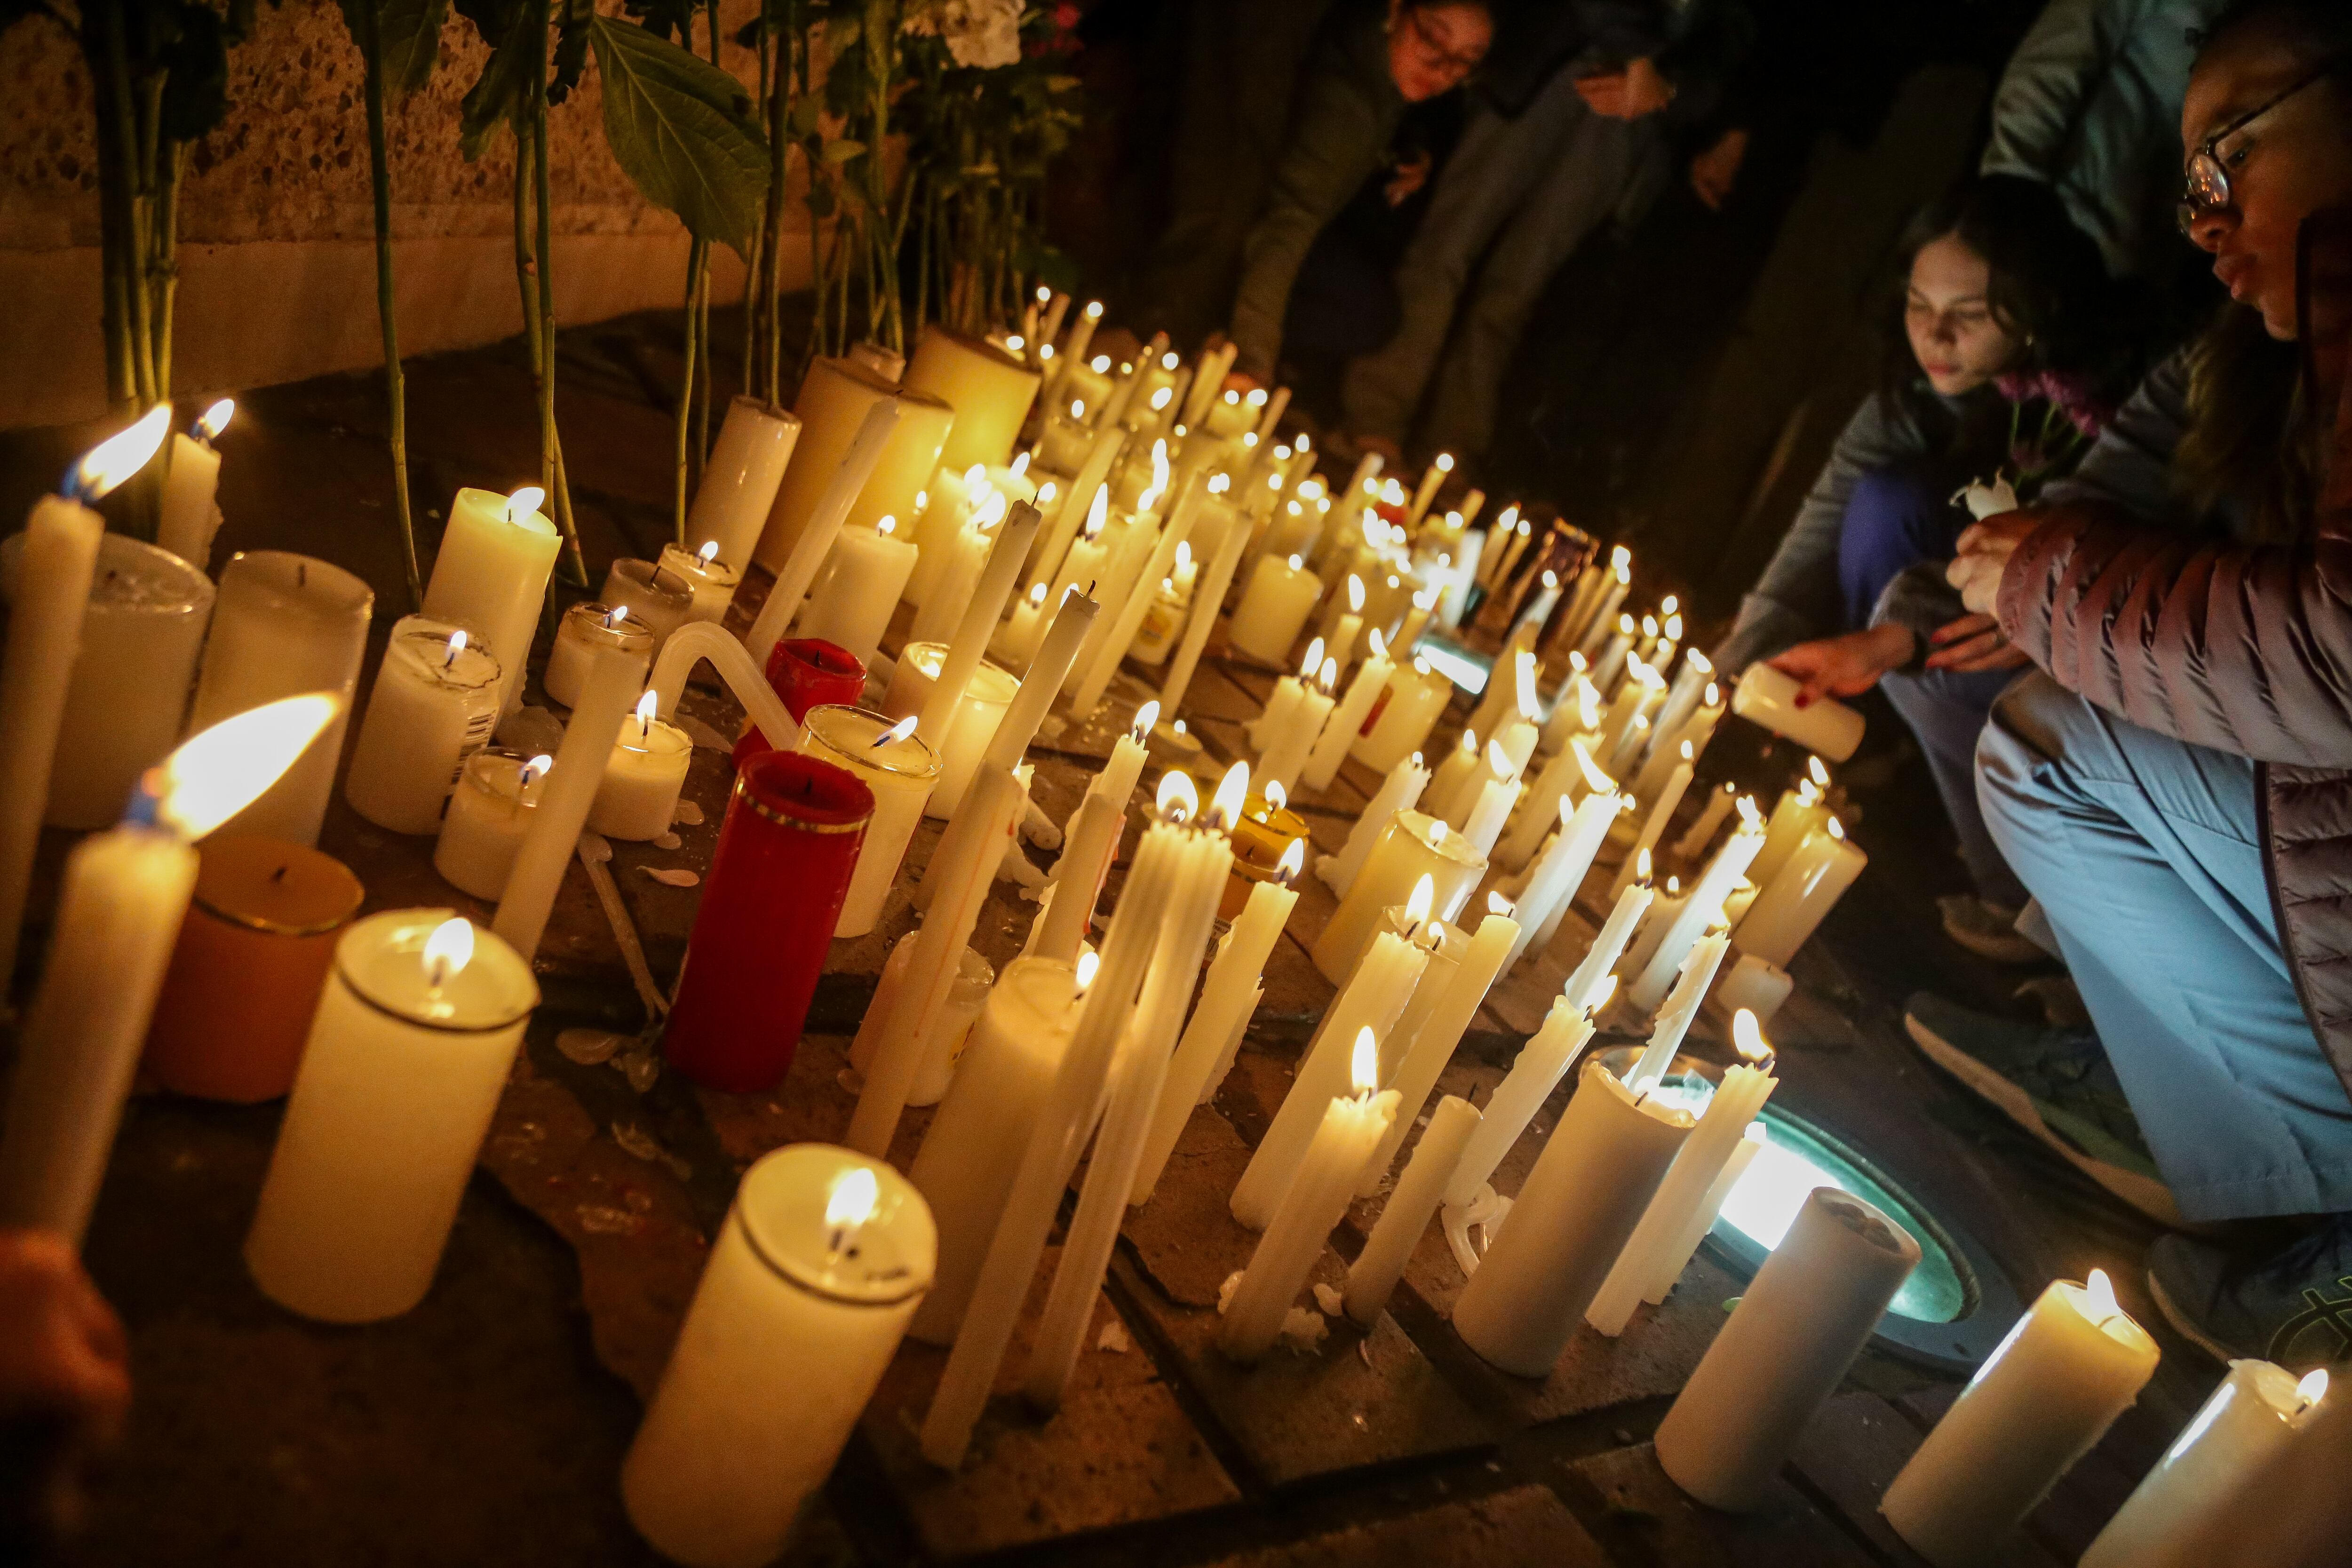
[[2243, 648]]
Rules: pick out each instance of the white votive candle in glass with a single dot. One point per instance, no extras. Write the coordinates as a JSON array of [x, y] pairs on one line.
[[709, 578], [491, 572], [857, 590], [901, 770], [408, 1053], [435, 703], [490, 812], [986, 697], [585, 630], [658, 599], [637, 798]]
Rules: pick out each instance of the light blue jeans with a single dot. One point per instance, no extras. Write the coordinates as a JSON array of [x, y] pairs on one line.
[[2144, 853]]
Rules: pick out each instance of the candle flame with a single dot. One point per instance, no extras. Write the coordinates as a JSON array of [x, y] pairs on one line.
[[850, 1198], [648, 708], [1437, 831], [1594, 778], [456, 646], [1414, 762], [1087, 964], [1178, 727], [1674, 628], [1294, 562], [1313, 659], [1837, 830], [618, 613], [1220, 483], [1364, 1065], [1015, 342], [1551, 578], [1045, 350], [1355, 595], [1098, 513], [214, 420], [975, 482], [1424, 898], [1445, 462], [1179, 801], [1588, 705], [1078, 408], [1225, 805], [1100, 363], [1421, 665], [1600, 996], [898, 731], [1688, 754], [1751, 819], [1427, 598], [1749, 1037], [118, 456], [1820, 775], [524, 502], [448, 950], [1526, 667], [2313, 1388], [2102, 1293], [1641, 867], [1499, 905], [1232, 399], [708, 553], [1625, 627], [1021, 464], [1806, 792], [1047, 492], [1037, 595], [1649, 626], [219, 772], [1162, 398], [1329, 677], [1044, 295], [1674, 886], [535, 769], [1713, 695], [1183, 554], [1094, 313], [1293, 861], [1146, 717], [1499, 760], [1378, 644], [1276, 797]]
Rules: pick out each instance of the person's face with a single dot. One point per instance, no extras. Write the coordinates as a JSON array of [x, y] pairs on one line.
[[1954, 334], [1432, 48], [2286, 163]]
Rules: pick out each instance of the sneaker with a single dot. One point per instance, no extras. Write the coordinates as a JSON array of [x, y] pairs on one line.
[[2293, 1307], [2061, 1003], [2056, 1084], [1987, 929]]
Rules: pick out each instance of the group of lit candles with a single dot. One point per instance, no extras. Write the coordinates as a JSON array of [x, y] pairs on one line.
[[1150, 495]]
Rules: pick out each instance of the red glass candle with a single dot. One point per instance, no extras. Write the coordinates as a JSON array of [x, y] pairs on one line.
[[777, 880], [805, 672]]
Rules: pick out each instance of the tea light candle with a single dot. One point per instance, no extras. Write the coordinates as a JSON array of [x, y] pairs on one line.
[[490, 812], [708, 577], [614, 682], [413, 1037], [435, 704], [637, 799], [492, 572], [858, 589], [1799, 1326], [835, 397], [740, 480], [1768, 696], [1590, 1186], [1756, 986], [1417, 697], [245, 973], [284, 625], [1411, 847], [822, 1250], [1345, 722], [188, 518], [1793, 905], [2039, 1402], [655, 599], [989, 388], [1273, 609], [1399, 790], [986, 697], [586, 629], [901, 769], [1350, 1128]]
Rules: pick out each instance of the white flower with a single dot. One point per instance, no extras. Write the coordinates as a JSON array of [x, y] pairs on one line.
[[1984, 500], [984, 34]]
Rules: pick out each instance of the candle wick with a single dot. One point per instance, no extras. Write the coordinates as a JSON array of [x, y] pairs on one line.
[[303, 574], [279, 875]]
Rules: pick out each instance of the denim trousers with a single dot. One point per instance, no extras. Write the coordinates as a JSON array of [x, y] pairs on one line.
[[2144, 853]]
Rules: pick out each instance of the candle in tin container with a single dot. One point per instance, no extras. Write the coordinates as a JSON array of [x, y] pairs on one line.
[[435, 703], [584, 630], [1266, 842]]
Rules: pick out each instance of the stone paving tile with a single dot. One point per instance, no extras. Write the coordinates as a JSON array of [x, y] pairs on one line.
[[1851, 1453], [1186, 1239], [1644, 1518], [1526, 1527]]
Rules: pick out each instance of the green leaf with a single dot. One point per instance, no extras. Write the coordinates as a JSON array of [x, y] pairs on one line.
[[682, 129], [842, 150], [410, 31], [518, 51], [195, 91]]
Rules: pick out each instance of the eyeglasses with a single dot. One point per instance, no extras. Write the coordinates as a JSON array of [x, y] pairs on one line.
[[2206, 181], [1451, 63]]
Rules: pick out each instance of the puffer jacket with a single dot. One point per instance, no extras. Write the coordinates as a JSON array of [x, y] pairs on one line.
[[2242, 648]]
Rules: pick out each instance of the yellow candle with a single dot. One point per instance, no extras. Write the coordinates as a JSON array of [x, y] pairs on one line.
[[834, 399], [989, 388]]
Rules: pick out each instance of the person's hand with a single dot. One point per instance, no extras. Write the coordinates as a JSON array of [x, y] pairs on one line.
[[65, 1387], [1714, 172], [1845, 665], [1409, 175], [1984, 552], [1630, 93], [1973, 642]]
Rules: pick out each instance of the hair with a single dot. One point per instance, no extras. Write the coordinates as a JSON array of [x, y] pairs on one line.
[[2313, 29]]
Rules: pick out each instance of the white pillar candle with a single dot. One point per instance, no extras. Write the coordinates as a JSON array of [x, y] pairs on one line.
[[48, 605], [1535, 1072], [1700, 908], [637, 798], [990, 390], [1373, 998], [972, 1150], [1273, 609], [491, 572], [1650, 933], [1766, 696], [1642, 687], [1596, 1174], [1090, 844], [1577, 711], [1374, 1277], [1799, 1326], [1792, 906], [1601, 958], [614, 680], [1552, 883], [901, 769], [1346, 722], [987, 696], [1422, 1059], [584, 629], [740, 479], [189, 516], [1399, 790], [1349, 1129], [1289, 745], [1408, 847], [490, 812], [826, 1253], [850, 467], [1417, 699], [836, 399], [1701, 833], [2215, 1462], [857, 590], [2039, 1402], [435, 703], [409, 1050], [282, 625], [1796, 816], [654, 598], [1702, 1220], [1653, 827], [1752, 984], [710, 579], [1064, 438]]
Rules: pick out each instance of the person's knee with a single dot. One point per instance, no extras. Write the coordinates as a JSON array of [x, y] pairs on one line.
[[1899, 505], [2035, 728]]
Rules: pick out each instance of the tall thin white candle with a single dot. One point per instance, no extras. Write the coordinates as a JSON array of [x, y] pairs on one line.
[[615, 681], [1432, 1045], [1541, 1063], [824, 526], [1374, 1277], [1399, 790]]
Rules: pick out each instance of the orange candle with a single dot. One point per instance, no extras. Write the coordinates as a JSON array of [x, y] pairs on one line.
[[1260, 838]]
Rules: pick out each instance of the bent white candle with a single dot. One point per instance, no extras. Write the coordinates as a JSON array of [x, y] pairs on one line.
[[1700, 909], [189, 517], [637, 798], [1797, 1328], [409, 1050], [1555, 878], [1535, 1072], [1766, 696], [1609, 945], [613, 683], [2039, 1402], [1680, 1006], [824, 1256], [489, 814], [740, 479], [435, 703], [492, 572], [1374, 1277]]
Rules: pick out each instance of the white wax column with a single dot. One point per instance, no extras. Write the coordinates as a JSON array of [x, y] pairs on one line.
[[1128, 540], [1096, 679], [1680, 1006], [584, 628], [1424, 1055], [858, 591], [1642, 686], [1694, 843], [901, 770], [1050, 564], [737, 1435], [1432, 476], [1611, 661], [1797, 814], [398, 1083], [1418, 696], [2215, 1462], [1653, 827], [1540, 813], [1089, 844], [1281, 707], [1792, 906], [1374, 1277], [491, 572], [636, 800], [1825, 726], [433, 706], [1208, 601], [1410, 847], [1228, 996], [978, 617], [1682, 699], [1583, 986], [1700, 908], [50, 601], [1456, 773], [189, 517], [1484, 823], [1650, 934], [1676, 1258], [989, 389], [1340, 639], [968, 1156], [2039, 1402], [1799, 1326], [1574, 711], [1074, 617], [1351, 1127], [711, 580], [613, 683], [822, 526], [1372, 999], [1541, 1063], [1596, 1174], [118, 920], [1273, 609], [1604, 617], [1346, 722], [490, 812], [947, 576], [1551, 886], [284, 625], [1399, 790], [1721, 1128], [740, 479], [1287, 749]]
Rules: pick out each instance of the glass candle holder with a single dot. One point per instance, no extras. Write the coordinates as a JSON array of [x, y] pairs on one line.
[[710, 583], [900, 770], [773, 895], [489, 811], [1264, 833], [245, 973], [435, 703], [654, 596], [584, 631], [985, 698], [804, 673]]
